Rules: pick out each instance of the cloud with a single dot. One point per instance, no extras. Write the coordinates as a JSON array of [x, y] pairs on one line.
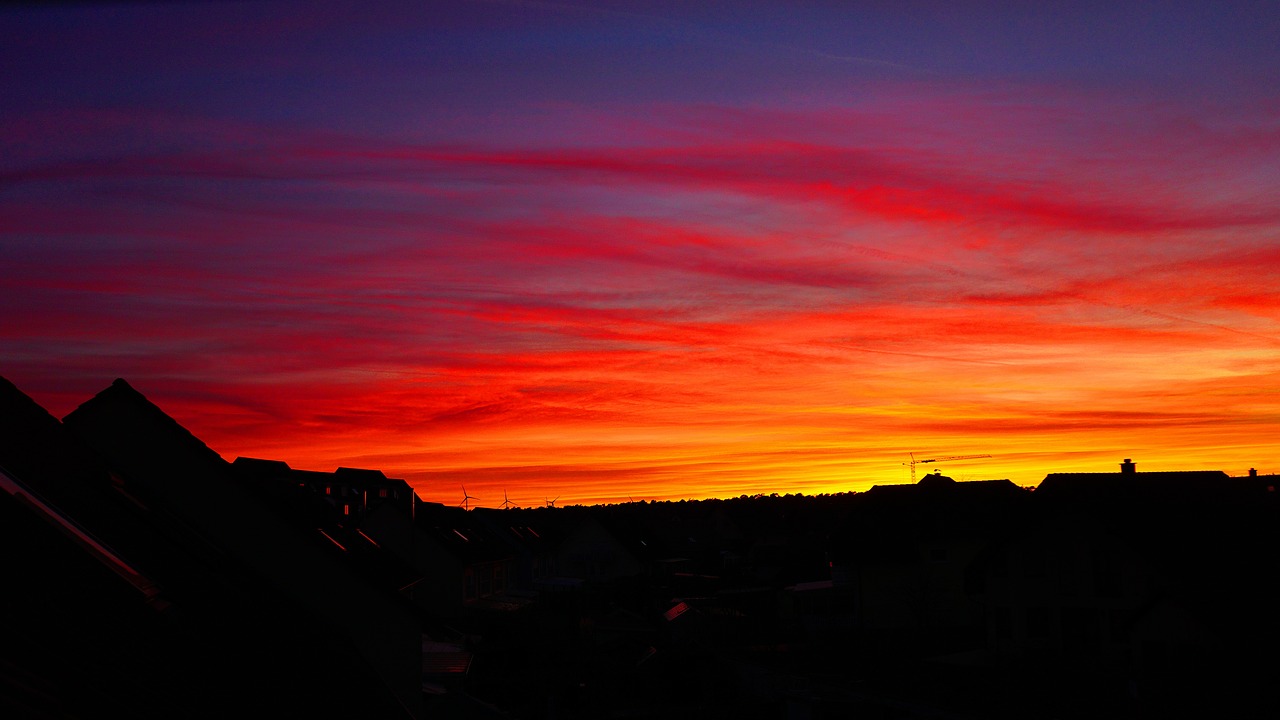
[[673, 315]]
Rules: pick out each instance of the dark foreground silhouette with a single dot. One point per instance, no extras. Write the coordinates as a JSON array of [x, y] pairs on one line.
[[147, 577]]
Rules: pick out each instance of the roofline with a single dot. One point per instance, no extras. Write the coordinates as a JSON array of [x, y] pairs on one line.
[[82, 537]]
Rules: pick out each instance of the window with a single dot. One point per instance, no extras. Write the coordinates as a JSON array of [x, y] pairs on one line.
[[1118, 621], [1080, 630], [1000, 565], [1067, 572], [382, 492], [328, 490], [1106, 574], [1001, 625], [1033, 563], [1037, 623]]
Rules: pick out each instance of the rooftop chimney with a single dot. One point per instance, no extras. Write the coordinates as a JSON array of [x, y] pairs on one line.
[[1128, 467]]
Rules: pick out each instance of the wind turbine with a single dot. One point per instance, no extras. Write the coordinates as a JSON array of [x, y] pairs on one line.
[[466, 499], [552, 503], [506, 503]]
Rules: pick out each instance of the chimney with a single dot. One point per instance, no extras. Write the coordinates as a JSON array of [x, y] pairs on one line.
[[1128, 467]]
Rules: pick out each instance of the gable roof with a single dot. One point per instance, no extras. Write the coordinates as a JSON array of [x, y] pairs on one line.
[[86, 549], [462, 533], [190, 481]]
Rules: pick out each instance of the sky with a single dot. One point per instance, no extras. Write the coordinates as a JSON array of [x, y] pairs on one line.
[[600, 251]]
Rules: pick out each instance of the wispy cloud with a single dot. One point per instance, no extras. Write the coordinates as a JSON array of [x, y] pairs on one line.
[[736, 298]]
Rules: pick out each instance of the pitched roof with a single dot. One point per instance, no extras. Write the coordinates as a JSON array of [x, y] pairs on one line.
[[90, 641], [1169, 485], [462, 533], [193, 483]]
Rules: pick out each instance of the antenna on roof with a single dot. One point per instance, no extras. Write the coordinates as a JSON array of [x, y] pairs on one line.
[[466, 499], [506, 503]]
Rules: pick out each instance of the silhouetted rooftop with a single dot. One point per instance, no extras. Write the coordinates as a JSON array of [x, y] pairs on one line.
[[1187, 484]]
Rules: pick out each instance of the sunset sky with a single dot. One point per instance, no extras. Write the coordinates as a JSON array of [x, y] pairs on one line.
[[659, 250]]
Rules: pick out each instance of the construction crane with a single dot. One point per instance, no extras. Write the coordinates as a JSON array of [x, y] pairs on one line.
[[915, 462]]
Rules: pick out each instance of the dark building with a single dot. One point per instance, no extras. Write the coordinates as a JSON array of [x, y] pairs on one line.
[[153, 585], [1152, 588], [905, 551]]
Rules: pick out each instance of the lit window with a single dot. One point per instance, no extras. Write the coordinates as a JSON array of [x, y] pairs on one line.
[[382, 492], [346, 509]]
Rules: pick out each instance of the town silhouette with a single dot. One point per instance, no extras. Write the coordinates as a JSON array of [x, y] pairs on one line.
[[147, 577]]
